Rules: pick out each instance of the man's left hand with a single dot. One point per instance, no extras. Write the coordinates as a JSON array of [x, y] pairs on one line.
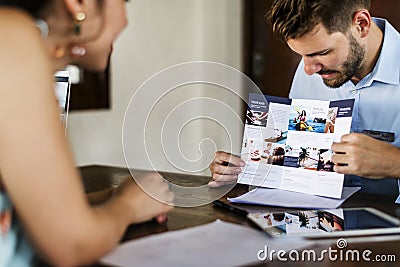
[[365, 156]]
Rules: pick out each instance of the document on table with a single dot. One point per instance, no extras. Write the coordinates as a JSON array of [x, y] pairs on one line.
[[217, 243], [289, 199]]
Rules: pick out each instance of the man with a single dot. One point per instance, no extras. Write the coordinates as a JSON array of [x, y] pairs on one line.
[[345, 54]]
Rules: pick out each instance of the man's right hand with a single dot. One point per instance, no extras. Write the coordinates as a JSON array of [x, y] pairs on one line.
[[225, 169]]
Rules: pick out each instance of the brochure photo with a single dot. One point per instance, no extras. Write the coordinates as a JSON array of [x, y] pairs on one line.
[[286, 143]]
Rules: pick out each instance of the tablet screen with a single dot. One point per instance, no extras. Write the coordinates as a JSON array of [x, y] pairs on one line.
[[323, 222]]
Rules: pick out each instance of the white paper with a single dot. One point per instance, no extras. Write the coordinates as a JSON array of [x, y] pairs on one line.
[[283, 198], [290, 147], [215, 244]]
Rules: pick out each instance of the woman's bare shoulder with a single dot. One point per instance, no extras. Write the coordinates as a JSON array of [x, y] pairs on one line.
[[18, 32], [21, 48], [13, 19]]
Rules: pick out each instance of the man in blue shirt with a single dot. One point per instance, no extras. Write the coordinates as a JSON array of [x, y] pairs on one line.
[[345, 54]]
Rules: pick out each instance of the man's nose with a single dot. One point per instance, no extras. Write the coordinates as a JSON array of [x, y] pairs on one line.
[[311, 66]]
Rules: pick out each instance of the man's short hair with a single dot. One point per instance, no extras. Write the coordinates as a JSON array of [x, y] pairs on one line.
[[292, 19]]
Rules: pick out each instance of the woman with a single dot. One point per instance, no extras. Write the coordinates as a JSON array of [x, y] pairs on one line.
[[39, 187], [330, 123], [301, 121]]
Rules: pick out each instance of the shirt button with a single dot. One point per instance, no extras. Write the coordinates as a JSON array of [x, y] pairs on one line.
[[354, 92]]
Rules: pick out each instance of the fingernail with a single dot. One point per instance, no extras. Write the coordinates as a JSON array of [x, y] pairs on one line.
[[242, 164], [238, 170]]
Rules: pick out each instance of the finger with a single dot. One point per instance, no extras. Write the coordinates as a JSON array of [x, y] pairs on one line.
[[223, 170], [339, 148], [342, 169], [165, 197], [340, 159], [170, 198], [162, 218], [346, 138], [215, 184], [225, 178], [354, 138], [223, 157], [148, 179], [164, 185], [157, 177]]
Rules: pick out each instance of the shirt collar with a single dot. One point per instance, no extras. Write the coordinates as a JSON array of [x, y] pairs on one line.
[[387, 68]]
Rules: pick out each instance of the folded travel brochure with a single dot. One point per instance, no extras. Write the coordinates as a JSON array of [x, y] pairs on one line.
[[287, 143]]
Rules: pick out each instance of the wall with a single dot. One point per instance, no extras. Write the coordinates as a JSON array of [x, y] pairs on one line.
[[162, 34]]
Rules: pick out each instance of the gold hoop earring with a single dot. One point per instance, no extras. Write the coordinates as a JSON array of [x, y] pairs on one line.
[[77, 49]]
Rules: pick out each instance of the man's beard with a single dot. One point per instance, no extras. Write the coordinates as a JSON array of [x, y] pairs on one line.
[[350, 67]]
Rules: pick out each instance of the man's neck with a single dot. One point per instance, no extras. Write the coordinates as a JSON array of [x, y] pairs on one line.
[[373, 49]]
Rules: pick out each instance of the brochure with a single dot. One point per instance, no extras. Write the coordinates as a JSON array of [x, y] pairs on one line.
[[286, 143]]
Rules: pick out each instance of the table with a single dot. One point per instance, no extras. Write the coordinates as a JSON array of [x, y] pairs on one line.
[[97, 178]]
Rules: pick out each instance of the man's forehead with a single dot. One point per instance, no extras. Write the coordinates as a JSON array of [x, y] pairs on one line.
[[319, 28], [315, 41], [318, 31]]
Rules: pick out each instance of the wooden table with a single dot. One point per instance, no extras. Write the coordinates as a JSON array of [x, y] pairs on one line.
[[102, 177]]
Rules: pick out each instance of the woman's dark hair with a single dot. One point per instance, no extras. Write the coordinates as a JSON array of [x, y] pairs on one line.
[[33, 7], [278, 216]]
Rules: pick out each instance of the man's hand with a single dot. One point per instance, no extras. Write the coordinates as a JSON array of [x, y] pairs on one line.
[[225, 169], [365, 156]]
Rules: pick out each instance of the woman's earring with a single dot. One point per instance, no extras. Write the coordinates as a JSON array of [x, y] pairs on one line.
[[77, 49]]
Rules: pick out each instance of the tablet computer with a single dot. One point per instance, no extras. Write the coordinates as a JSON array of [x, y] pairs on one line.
[[326, 223]]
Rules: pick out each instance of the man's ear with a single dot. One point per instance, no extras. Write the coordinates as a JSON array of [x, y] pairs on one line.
[[362, 21], [76, 6]]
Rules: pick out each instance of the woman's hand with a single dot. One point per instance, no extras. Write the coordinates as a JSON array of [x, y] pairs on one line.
[[146, 198]]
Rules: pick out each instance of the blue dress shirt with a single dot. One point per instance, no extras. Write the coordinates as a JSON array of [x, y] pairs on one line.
[[377, 101]]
